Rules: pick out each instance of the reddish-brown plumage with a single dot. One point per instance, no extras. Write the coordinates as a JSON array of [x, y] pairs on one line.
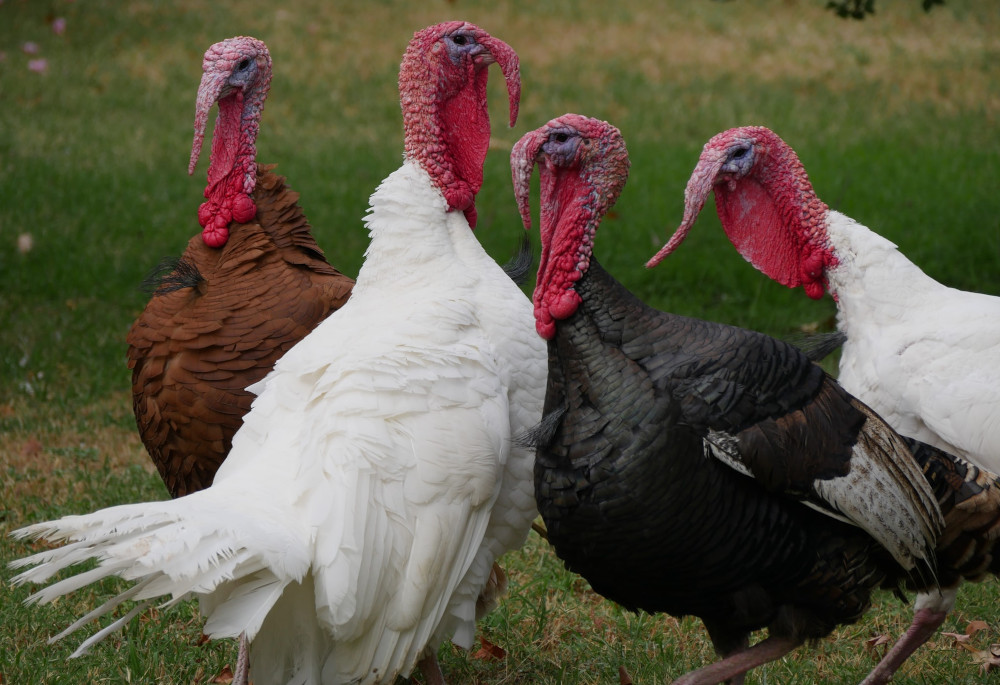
[[245, 292], [194, 350]]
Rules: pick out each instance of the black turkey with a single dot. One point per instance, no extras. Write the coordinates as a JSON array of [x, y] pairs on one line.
[[700, 469]]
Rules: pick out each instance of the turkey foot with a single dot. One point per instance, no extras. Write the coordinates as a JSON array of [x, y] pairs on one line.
[[431, 669], [925, 623], [242, 674], [734, 666]]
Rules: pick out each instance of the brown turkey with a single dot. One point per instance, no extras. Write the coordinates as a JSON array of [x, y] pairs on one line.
[[694, 468], [249, 287]]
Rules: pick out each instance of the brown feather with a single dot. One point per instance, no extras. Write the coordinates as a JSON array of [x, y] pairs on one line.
[[194, 350]]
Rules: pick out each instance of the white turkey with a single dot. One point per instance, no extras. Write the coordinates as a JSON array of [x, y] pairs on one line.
[[926, 357], [695, 468], [375, 479]]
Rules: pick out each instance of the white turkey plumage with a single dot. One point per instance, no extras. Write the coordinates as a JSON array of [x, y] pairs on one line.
[[375, 480]]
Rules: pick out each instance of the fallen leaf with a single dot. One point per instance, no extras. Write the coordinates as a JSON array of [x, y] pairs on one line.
[[975, 626], [225, 676], [24, 243], [31, 448], [961, 640], [489, 650], [872, 643], [202, 640], [623, 677], [988, 659]]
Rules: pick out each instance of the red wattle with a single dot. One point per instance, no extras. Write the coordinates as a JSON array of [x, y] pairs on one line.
[[215, 236], [545, 326], [244, 210], [565, 305], [814, 290], [205, 213]]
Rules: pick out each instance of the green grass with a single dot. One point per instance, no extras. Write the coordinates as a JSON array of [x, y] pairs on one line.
[[895, 119]]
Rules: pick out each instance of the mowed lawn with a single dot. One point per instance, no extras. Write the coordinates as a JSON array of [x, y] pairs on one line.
[[896, 118]]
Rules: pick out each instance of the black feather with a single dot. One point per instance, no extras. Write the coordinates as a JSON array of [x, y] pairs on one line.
[[819, 346], [520, 266], [170, 274], [542, 433]]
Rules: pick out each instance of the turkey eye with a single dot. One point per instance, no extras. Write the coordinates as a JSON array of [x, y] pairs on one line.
[[244, 64], [561, 137], [460, 40], [740, 153]]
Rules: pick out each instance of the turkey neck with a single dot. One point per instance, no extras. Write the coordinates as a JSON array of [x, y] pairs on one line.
[[234, 143], [872, 280], [589, 366], [232, 170]]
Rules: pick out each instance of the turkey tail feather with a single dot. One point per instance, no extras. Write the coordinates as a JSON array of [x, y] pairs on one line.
[[174, 548]]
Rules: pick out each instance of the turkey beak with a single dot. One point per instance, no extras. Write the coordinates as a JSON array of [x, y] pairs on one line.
[[505, 56], [214, 85], [699, 186], [522, 163]]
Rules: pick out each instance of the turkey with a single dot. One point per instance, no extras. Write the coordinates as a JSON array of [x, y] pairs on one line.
[[926, 357], [376, 478], [250, 286], [699, 469]]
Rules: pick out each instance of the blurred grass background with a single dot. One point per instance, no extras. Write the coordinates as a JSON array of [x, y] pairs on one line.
[[895, 118]]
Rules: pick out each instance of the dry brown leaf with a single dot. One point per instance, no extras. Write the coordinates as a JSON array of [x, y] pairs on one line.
[[202, 640], [225, 676], [623, 677], [988, 659], [975, 626], [961, 640], [489, 650], [873, 643], [30, 448]]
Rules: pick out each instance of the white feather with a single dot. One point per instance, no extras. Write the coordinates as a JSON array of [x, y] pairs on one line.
[[924, 356], [374, 481]]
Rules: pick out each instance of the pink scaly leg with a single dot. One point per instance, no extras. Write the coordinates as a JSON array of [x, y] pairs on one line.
[[241, 676], [928, 617], [735, 665], [431, 669]]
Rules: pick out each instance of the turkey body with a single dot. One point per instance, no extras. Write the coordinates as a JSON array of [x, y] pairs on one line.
[[375, 478], [632, 502], [217, 324], [250, 286], [694, 468], [925, 356]]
